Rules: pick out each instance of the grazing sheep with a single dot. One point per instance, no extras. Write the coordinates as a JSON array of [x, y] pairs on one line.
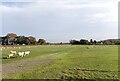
[[3, 47], [27, 53], [19, 47], [10, 55], [92, 47], [88, 47], [21, 54], [13, 52]]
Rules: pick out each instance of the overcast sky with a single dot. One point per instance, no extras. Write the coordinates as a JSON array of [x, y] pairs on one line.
[[61, 20]]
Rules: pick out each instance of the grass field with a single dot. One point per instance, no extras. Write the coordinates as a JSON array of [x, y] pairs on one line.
[[62, 62]]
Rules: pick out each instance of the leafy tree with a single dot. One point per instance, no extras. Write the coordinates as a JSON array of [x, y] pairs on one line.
[[61, 43], [74, 42], [4, 40], [11, 38], [94, 41], [91, 41], [41, 41], [21, 40], [11, 35], [111, 42], [32, 40], [84, 41]]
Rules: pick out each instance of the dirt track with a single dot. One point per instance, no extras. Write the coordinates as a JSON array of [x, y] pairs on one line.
[[24, 65]]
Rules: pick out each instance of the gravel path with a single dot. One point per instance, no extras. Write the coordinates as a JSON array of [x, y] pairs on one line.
[[24, 65]]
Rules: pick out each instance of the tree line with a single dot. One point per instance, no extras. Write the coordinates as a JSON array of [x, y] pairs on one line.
[[94, 42], [13, 39]]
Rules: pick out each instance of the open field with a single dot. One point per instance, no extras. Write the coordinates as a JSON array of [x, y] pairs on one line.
[[62, 62]]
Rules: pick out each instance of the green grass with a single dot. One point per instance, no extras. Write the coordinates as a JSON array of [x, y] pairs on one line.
[[68, 62]]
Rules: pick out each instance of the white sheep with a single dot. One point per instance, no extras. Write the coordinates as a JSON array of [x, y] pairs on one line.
[[19, 47], [13, 52], [21, 54], [10, 55], [27, 53]]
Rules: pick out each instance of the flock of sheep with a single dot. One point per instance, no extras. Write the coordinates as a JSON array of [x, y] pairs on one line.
[[15, 53], [25, 53], [88, 47]]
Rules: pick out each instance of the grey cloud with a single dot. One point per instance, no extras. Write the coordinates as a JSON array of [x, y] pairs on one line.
[[55, 22]]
